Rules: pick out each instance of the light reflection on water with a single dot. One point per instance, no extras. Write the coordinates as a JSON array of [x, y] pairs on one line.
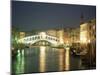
[[67, 59], [61, 60], [20, 62], [42, 59]]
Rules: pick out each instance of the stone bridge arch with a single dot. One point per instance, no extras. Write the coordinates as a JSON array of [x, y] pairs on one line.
[[35, 38]]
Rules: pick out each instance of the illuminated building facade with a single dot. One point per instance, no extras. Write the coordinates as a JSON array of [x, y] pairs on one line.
[[71, 35], [22, 35], [88, 32], [84, 33], [88, 41], [60, 35]]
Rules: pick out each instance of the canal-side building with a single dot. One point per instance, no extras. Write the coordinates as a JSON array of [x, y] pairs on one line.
[[87, 32], [72, 35], [60, 35], [67, 38], [88, 41], [75, 35]]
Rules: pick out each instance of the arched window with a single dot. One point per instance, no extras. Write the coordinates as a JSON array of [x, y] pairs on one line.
[[29, 39], [51, 38], [56, 40], [46, 37], [33, 38], [38, 37]]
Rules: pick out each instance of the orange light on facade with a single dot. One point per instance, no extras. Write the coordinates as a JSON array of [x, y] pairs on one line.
[[61, 39], [83, 37], [89, 41], [84, 33]]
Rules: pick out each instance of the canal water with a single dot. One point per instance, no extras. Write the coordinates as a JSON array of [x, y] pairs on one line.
[[44, 59]]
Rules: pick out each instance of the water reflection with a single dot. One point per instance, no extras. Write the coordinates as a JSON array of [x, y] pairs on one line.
[[67, 59], [61, 59], [42, 58], [20, 62]]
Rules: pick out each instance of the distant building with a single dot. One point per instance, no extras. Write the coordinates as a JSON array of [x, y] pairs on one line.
[[60, 35], [21, 35], [51, 32], [88, 32], [71, 35]]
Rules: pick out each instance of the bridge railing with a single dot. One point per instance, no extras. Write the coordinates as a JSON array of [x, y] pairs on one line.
[[34, 38]]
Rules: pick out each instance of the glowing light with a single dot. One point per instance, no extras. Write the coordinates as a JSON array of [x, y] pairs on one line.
[[89, 41], [61, 37], [61, 59], [67, 57], [21, 41], [20, 62], [22, 52], [43, 34], [83, 40], [67, 42], [61, 41], [83, 37], [42, 58], [84, 34], [18, 53]]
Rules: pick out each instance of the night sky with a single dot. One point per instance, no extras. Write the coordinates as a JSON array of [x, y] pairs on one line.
[[28, 16]]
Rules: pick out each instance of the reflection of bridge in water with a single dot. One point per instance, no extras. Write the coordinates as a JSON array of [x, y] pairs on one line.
[[42, 37]]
